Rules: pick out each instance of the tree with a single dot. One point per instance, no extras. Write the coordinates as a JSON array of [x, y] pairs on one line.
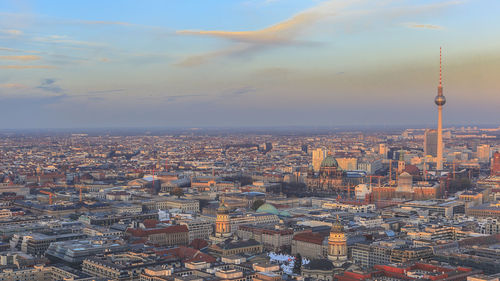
[[257, 203], [460, 184], [74, 216], [177, 192], [297, 266]]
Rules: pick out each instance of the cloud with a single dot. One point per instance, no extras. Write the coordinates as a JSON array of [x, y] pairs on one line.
[[14, 32], [278, 33], [286, 32], [179, 97], [281, 32], [241, 91], [64, 40], [50, 86], [202, 58], [27, 67], [423, 26], [21, 58], [16, 50], [9, 49], [99, 22], [106, 91], [12, 86]]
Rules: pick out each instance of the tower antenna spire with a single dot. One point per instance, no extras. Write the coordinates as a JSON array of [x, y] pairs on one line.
[[439, 66]]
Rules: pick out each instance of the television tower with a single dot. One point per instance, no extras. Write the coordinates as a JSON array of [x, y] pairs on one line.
[[440, 100]]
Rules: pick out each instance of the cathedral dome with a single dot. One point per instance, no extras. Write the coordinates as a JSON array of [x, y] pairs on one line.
[[268, 208], [329, 162], [337, 227], [222, 208]]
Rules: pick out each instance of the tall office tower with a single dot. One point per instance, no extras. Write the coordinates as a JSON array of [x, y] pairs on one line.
[[440, 100], [495, 165], [430, 142], [483, 153], [382, 149], [318, 156]]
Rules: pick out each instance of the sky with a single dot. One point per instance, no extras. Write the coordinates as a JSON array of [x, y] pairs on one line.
[[247, 63]]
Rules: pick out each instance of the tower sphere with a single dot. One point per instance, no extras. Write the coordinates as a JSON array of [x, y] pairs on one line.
[[440, 100]]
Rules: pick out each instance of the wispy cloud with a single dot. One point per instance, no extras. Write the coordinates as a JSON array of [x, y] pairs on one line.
[[240, 91], [106, 91], [179, 97], [9, 49], [102, 22], [50, 85], [16, 50], [202, 58], [14, 32], [12, 86], [20, 58], [27, 67], [288, 31], [65, 40], [423, 26], [281, 32]]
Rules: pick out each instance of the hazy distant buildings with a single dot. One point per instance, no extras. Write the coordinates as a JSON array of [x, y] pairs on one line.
[[430, 142]]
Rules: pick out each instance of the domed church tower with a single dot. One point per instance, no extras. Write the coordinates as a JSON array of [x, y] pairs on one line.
[[223, 221], [337, 244], [330, 175]]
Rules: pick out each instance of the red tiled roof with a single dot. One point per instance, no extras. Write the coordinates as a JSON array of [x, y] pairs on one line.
[[187, 254], [198, 244], [150, 223], [310, 237]]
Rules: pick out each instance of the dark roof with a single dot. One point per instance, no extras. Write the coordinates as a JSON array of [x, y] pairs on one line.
[[238, 244], [319, 264]]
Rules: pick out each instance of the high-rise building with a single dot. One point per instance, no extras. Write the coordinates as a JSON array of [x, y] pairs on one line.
[[483, 153], [495, 165], [440, 100], [304, 148], [382, 149], [430, 143], [318, 156]]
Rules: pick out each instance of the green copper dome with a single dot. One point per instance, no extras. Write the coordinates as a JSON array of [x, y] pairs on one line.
[[329, 161], [268, 208]]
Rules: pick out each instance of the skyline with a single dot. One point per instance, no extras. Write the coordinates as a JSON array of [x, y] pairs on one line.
[[268, 63]]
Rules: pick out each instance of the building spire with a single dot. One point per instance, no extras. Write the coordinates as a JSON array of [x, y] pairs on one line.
[[439, 66]]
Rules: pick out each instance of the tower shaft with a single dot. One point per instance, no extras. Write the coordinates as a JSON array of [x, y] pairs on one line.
[[439, 164]]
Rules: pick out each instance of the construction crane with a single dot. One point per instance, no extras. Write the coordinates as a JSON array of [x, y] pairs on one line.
[[50, 194], [80, 187]]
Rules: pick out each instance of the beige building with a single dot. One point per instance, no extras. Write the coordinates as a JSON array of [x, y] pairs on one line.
[[347, 164], [317, 158], [198, 229], [310, 245], [42, 273]]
